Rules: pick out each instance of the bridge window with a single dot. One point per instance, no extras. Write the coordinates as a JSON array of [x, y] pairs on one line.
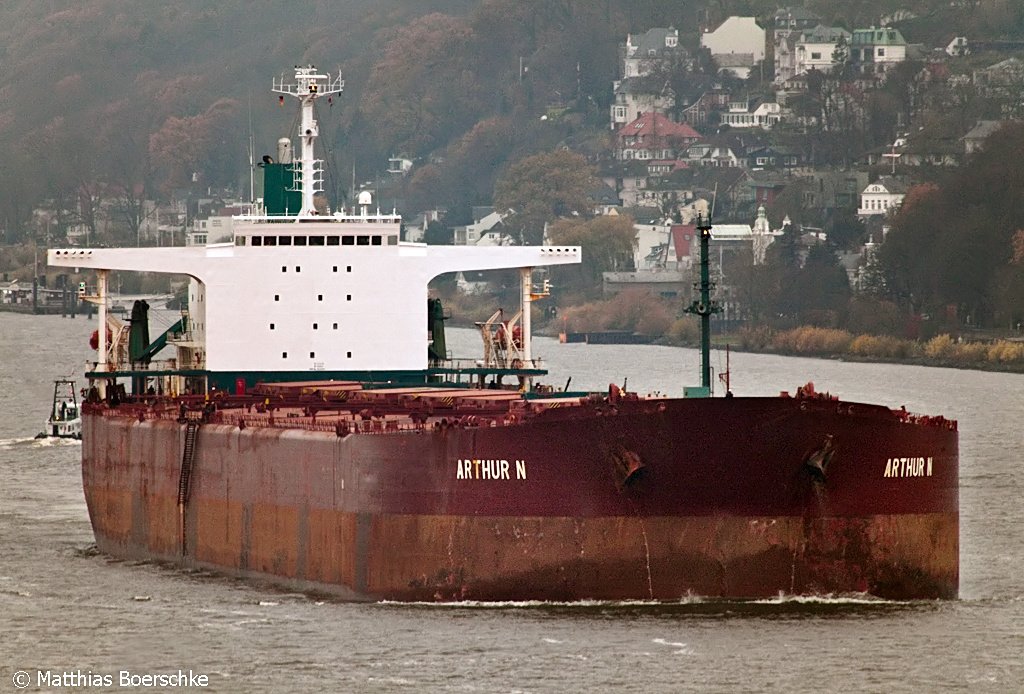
[[392, 240], [332, 240], [269, 240], [300, 240], [257, 240], [362, 240], [348, 240], [375, 240], [316, 240]]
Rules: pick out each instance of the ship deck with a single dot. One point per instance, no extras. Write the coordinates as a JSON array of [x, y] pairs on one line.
[[349, 407]]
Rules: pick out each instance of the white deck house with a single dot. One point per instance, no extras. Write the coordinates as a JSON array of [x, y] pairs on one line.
[[312, 291]]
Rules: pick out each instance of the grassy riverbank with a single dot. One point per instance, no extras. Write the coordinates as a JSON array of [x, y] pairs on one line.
[[644, 314]]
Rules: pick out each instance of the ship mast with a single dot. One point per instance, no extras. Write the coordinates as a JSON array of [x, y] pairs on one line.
[[309, 85], [704, 306]]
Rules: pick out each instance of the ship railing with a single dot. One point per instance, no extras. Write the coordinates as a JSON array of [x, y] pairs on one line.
[[333, 219]]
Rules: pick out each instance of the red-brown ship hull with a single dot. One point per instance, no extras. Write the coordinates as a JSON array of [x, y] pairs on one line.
[[733, 498]]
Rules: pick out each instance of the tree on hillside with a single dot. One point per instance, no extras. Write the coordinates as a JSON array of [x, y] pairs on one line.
[[190, 145], [950, 242], [425, 88], [437, 234], [607, 246], [17, 196], [543, 188]]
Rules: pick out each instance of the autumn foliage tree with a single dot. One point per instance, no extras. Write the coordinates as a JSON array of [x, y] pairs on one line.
[[185, 145], [542, 188], [424, 88]]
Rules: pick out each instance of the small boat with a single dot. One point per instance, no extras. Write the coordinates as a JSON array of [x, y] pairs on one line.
[[65, 420]]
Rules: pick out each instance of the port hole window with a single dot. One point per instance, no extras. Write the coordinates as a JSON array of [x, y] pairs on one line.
[[348, 355], [284, 355], [271, 326]]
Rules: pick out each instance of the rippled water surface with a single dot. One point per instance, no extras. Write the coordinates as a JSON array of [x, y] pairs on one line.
[[64, 608]]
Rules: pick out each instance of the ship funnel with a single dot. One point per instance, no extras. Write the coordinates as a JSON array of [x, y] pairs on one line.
[[284, 151]]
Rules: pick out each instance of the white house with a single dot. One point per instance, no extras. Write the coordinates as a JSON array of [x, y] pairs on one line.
[[879, 198], [764, 116], [736, 36], [709, 154], [650, 245], [816, 48], [974, 139], [958, 46], [644, 51], [877, 50], [213, 229], [473, 234], [631, 100], [789, 23]]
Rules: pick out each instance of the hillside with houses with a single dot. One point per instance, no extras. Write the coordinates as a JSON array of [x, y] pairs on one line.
[[818, 139]]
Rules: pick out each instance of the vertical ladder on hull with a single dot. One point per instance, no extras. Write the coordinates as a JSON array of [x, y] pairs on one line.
[[187, 460]]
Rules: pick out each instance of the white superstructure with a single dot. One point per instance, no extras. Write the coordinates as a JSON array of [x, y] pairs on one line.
[[314, 291]]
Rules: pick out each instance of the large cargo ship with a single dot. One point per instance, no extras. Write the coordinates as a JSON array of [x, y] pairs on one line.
[[312, 431]]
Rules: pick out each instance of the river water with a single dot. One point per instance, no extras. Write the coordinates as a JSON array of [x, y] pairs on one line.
[[66, 609]]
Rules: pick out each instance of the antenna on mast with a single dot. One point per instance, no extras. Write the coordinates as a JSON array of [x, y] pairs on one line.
[[252, 155], [309, 85]]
